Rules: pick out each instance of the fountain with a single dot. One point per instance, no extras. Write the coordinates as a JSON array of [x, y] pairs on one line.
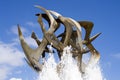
[[68, 45]]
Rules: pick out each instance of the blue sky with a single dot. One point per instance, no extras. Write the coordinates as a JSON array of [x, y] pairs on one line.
[[105, 14]]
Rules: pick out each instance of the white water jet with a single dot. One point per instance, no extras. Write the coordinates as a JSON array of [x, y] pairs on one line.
[[68, 69]]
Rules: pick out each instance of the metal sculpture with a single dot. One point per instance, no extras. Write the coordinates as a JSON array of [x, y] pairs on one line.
[[72, 35]]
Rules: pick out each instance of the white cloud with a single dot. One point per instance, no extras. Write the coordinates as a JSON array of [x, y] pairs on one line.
[[14, 30], [117, 55], [10, 57], [4, 72], [36, 25], [15, 79], [32, 24], [18, 72], [30, 41]]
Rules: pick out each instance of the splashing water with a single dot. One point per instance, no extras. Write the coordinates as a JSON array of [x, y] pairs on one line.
[[68, 69]]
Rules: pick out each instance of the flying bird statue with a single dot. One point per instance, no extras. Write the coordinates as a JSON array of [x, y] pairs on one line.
[[71, 36]]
